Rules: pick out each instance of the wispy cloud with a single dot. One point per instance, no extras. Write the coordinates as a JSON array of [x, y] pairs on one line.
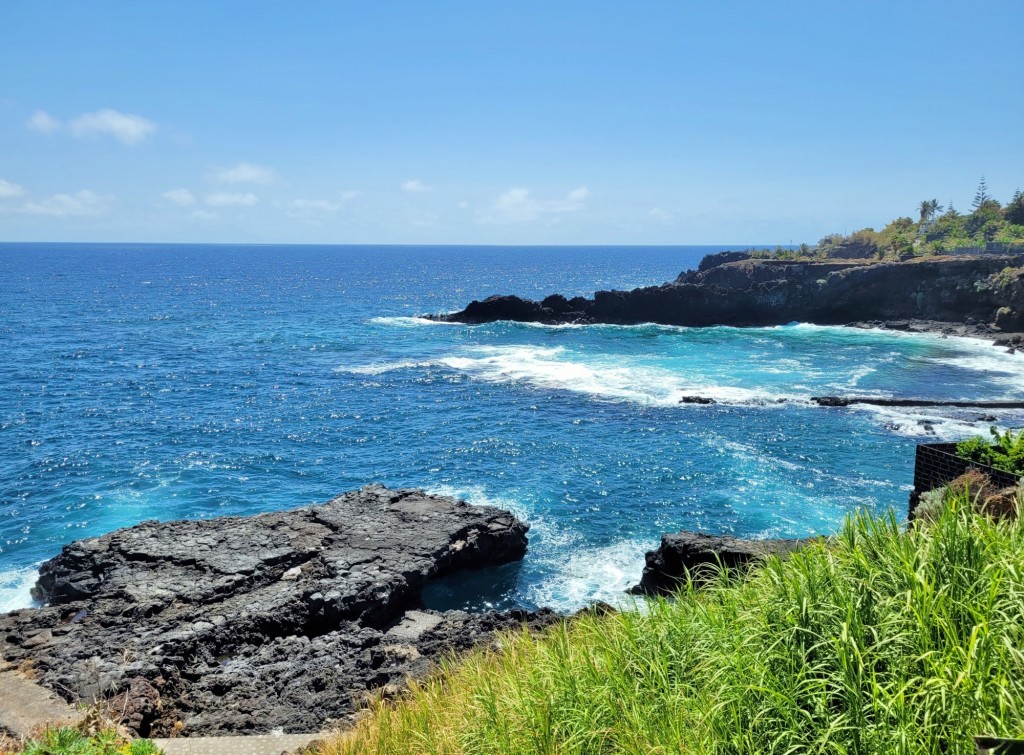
[[659, 213], [312, 209], [180, 197], [84, 202], [518, 205], [10, 190], [226, 199], [415, 186], [127, 128], [42, 122], [243, 173]]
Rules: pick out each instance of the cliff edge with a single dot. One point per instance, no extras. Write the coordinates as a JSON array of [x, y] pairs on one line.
[[983, 293]]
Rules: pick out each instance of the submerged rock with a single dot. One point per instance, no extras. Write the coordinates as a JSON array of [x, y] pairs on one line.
[[685, 553], [248, 624]]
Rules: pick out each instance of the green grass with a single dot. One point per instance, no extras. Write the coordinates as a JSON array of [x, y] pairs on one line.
[[877, 641], [68, 740]]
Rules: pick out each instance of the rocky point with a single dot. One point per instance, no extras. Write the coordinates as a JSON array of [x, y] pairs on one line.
[[250, 624]]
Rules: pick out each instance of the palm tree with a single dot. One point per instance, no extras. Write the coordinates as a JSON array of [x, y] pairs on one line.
[[929, 208]]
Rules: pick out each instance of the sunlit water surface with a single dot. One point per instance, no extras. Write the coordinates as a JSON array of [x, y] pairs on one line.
[[141, 382]]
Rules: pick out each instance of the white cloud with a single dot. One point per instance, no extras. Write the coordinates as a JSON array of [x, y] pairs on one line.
[[203, 214], [415, 186], [42, 122], [225, 199], [243, 173], [463, 205], [321, 205], [518, 205], [180, 197], [84, 202], [11, 191], [314, 208], [659, 213], [125, 127]]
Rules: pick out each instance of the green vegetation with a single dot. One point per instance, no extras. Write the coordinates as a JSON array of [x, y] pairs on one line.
[[878, 640], [937, 230], [68, 740], [1005, 452]]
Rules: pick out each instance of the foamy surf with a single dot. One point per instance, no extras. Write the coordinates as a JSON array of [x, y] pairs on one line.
[[574, 575], [916, 423], [611, 378], [408, 322], [16, 588], [379, 368], [582, 575], [477, 495]]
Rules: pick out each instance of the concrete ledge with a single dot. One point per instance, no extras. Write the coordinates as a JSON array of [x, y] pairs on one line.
[[259, 744], [26, 707]]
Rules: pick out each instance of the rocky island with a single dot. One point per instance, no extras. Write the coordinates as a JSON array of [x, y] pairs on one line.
[[969, 295], [250, 624]]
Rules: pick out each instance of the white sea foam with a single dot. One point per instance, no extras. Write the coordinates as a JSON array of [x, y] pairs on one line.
[[573, 575], [477, 495], [1006, 369], [583, 575], [16, 586], [379, 368], [555, 368], [408, 322], [916, 422]]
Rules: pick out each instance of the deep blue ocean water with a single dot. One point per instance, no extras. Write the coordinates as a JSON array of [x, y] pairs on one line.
[[141, 382]]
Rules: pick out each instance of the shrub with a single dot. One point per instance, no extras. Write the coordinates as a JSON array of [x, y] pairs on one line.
[[1006, 452]]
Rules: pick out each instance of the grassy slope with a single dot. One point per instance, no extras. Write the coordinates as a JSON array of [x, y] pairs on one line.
[[879, 641]]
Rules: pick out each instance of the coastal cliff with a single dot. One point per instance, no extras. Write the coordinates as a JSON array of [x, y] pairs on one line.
[[731, 288], [247, 624]]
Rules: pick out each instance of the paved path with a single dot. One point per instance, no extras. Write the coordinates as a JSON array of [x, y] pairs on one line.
[[26, 706], [260, 744]]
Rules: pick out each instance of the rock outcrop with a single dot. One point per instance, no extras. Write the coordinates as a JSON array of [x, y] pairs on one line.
[[693, 554], [249, 624], [733, 289]]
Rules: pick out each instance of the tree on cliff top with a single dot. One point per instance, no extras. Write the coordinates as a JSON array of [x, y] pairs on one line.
[[981, 196], [929, 208], [1014, 212]]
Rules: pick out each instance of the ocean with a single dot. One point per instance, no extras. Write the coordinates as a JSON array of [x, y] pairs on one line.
[[187, 381]]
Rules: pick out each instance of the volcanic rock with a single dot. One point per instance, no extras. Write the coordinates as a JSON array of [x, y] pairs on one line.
[[248, 624], [694, 554], [968, 295]]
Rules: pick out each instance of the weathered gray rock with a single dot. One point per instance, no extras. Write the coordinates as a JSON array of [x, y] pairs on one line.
[[683, 554], [247, 624]]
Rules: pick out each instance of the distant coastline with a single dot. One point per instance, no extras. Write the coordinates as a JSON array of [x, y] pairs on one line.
[[976, 295]]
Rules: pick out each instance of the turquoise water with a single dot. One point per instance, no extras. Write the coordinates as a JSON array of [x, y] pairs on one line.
[[143, 382]]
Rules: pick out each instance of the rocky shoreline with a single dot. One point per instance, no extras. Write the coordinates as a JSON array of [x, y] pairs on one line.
[[964, 296], [694, 555], [280, 621], [284, 621]]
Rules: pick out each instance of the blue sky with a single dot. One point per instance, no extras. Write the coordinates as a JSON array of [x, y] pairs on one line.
[[515, 122]]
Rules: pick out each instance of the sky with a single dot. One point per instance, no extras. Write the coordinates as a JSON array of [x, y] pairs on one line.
[[519, 122]]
